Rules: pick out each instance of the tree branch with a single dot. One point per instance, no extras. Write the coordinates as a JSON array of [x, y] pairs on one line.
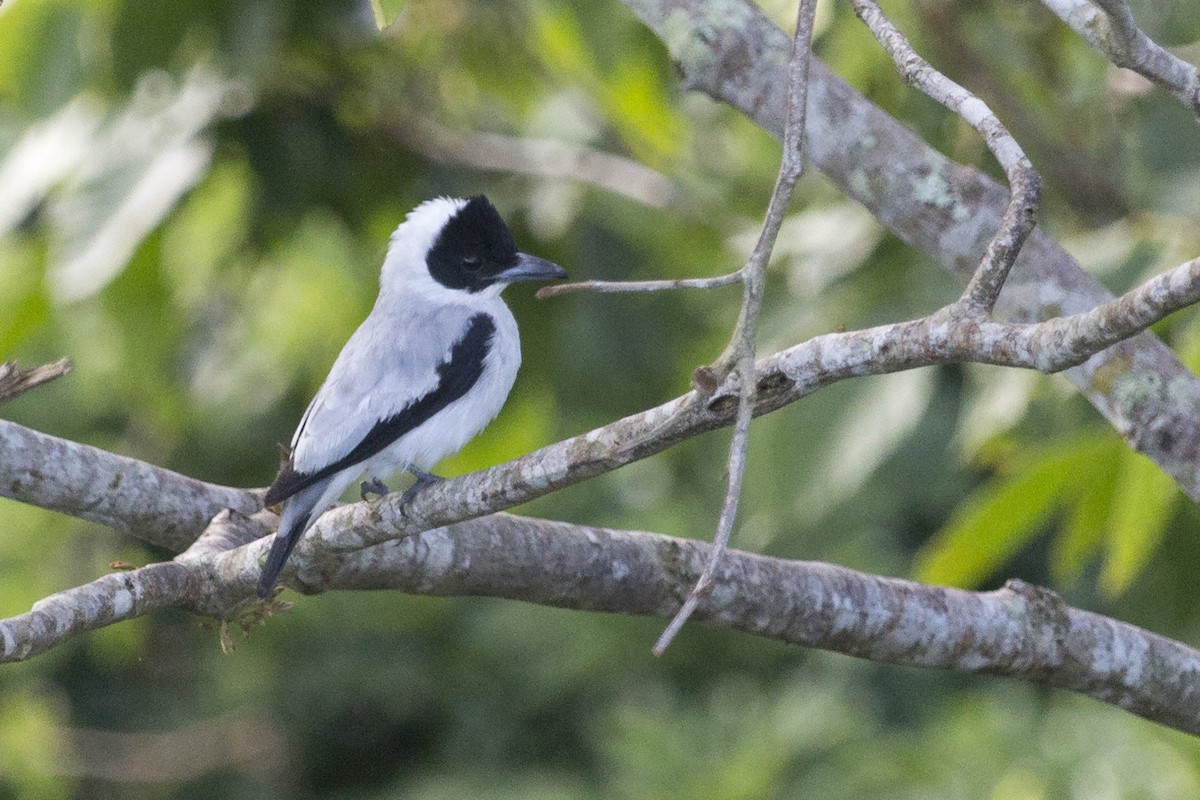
[[156, 505], [216, 575], [634, 287], [115, 597], [168, 509], [1114, 33], [15, 381], [782, 378], [1019, 631]]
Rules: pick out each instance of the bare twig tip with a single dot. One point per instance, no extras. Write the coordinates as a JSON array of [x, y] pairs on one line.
[[15, 381]]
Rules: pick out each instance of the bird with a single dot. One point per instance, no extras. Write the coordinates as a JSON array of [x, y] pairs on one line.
[[427, 370]]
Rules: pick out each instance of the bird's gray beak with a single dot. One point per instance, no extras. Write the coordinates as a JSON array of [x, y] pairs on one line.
[[532, 268]]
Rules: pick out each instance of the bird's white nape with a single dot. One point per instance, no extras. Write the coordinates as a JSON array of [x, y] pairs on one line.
[[405, 264]]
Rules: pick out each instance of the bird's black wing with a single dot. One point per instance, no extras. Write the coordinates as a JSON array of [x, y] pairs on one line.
[[456, 376]]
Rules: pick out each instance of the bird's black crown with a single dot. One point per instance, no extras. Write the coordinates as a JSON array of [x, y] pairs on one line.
[[473, 248]]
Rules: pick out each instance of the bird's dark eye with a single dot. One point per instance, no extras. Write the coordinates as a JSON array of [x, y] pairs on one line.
[[472, 263]]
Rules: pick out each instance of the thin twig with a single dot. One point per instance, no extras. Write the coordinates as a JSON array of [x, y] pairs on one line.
[[1115, 33], [620, 287], [742, 348], [543, 157], [1020, 216], [15, 381], [1144, 56]]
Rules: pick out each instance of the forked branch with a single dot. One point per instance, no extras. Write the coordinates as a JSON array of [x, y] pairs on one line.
[[1113, 32]]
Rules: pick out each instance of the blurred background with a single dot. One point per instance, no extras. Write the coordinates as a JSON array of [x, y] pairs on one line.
[[195, 199]]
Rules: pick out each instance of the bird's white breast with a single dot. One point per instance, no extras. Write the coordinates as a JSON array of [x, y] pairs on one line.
[[448, 430]]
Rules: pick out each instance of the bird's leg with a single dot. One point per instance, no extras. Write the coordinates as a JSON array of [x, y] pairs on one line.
[[423, 479], [422, 476], [373, 486]]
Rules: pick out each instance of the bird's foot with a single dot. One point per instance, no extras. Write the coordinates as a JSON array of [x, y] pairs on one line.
[[373, 486], [423, 479]]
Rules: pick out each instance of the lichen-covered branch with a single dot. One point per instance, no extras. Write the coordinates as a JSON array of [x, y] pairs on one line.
[[169, 509], [1066, 341], [729, 50], [1019, 631], [151, 503], [450, 541], [783, 378], [113, 598]]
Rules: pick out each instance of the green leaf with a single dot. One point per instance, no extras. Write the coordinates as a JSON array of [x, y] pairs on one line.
[[33, 744], [24, 303], [386, 11], [43, 66], [561, 43], [1000, 518], [1141, 507], [638, 105], [1084, 529]]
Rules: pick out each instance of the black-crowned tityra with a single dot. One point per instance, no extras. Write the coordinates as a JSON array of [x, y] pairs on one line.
[[426, 371]]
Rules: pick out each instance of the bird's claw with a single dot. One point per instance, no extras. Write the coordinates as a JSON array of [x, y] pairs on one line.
[[423, 479], [373, 486]]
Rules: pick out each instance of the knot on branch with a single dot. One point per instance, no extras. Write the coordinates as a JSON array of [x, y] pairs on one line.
[[224, 595], [963, 316], [1046, 613], [706, 380]]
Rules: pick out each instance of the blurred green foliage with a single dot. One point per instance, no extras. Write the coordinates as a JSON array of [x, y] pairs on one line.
[[194, 202]]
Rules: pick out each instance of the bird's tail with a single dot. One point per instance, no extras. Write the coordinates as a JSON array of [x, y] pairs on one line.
[[297, 515]]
